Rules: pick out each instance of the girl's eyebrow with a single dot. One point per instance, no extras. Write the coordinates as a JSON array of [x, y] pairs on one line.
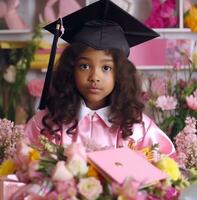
[[103, 60], [107, 60], [83, 58]]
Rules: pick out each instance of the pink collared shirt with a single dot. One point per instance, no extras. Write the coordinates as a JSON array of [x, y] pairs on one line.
[[94, 131]]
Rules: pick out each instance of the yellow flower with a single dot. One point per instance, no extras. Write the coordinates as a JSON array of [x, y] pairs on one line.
[[122, 198], [92, 172], [7, 167], [148, 153], [34, 155], [170, 167], [190, 19]]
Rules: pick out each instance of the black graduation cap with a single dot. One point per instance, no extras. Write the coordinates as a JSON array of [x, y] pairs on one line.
[[101, 25]]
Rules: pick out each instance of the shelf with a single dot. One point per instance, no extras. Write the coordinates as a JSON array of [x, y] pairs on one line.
[[172, 30], [10, 32], [177, 33]]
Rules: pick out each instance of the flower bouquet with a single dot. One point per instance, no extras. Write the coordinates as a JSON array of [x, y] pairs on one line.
[[54, 172]]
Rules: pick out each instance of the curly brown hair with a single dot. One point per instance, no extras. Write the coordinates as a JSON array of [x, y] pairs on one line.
[[64, 99]]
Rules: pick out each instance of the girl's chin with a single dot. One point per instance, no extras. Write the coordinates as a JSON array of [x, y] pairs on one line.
[[95, 104]]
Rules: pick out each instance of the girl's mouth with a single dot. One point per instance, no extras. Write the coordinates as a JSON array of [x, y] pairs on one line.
[[94, 89]]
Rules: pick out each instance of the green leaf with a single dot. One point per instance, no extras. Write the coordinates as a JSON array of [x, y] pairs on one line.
[[167, 123]]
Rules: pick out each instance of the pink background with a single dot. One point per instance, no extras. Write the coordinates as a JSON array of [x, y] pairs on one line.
[[149, 53]]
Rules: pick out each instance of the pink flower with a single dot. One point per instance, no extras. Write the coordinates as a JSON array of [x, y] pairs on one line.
[[52, 196], [76, 151], [35, 87], [129, 190], [163, 14], [33, 172], [186, 142], [195, 93], [90, 188], [192, 101], [182, 83], [10, 136], [145, 96], [171, 193], [159, 86], [66, 189], [166, 102]]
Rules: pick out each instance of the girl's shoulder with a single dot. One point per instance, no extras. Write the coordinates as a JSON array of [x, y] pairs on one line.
[[39, 115], [149, 122], [37, 118], [146, 120]]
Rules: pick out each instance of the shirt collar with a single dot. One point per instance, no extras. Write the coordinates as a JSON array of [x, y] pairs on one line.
[[102, 113]]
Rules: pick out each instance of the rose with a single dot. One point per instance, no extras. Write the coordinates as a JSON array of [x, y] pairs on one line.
[[90, 188], [61, 173]]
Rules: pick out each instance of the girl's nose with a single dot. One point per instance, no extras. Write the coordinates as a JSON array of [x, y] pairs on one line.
[[94, 76]]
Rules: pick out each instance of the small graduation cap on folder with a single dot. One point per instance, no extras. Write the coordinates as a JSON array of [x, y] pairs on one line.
[[101, 25]]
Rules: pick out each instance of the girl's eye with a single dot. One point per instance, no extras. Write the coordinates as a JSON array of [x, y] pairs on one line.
[[84, 66], [107, 68]]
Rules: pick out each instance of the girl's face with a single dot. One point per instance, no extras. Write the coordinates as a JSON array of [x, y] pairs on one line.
[[95, 77]]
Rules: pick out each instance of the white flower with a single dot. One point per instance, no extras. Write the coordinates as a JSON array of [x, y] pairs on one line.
[[10, 74], [24, 149], [61, 173], [90, 188], [77, 167]]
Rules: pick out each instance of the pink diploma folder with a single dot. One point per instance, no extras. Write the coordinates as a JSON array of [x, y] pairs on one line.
[[121, 163]]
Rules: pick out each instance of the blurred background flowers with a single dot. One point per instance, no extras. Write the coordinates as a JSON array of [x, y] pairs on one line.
[[13, 79], [172, 97], [190, 17], [164, 14]]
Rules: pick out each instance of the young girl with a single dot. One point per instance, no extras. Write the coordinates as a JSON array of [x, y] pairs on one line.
[[95, 99]]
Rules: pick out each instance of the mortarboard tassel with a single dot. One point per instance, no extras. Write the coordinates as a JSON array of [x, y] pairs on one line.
[[45, 90]]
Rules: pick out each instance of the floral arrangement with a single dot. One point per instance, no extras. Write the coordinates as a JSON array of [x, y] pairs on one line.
[[164, 14], [172, 97], [10, 135], [190, 18], [186, 142], [54, 172], [13, 78]]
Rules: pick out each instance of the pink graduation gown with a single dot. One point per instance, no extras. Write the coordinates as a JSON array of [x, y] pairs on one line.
[[94, 131]]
